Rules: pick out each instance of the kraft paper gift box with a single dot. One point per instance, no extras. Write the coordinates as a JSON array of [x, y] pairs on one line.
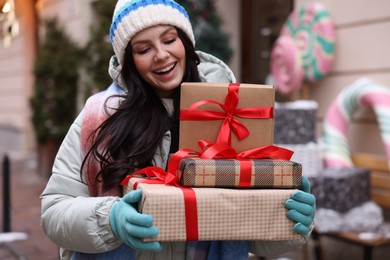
[[261, 130], [215, 213], [255, 173]]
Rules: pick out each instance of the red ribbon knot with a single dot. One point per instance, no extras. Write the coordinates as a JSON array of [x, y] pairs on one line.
[[230, 112]]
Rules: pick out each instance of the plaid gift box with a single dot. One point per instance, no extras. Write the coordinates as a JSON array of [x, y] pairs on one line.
[[264, 173], [185, 214]]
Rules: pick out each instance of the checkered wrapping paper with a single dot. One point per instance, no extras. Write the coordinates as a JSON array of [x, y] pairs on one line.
[[194, 172], [223, 214]]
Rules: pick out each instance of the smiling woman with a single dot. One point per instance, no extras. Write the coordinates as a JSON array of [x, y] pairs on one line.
[[132, 125]]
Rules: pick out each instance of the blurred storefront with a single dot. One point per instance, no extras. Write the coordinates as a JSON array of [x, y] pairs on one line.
[[21, 34]]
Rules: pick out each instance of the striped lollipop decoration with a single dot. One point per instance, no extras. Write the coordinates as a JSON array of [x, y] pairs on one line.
[[314, 34], [286, 65], [334, 136]]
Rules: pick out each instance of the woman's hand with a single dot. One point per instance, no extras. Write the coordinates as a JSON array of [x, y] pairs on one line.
[[130, 226], [301, 208]]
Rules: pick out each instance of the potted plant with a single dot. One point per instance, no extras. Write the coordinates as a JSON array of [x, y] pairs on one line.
[[53, 102]]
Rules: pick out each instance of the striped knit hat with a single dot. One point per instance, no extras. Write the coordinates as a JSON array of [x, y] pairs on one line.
[[132, 16]]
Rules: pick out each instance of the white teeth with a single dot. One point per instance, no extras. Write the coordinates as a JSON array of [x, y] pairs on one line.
[[166, 69]]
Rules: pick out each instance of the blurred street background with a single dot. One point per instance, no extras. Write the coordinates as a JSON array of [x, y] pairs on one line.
[[54, 55], [26, 186]]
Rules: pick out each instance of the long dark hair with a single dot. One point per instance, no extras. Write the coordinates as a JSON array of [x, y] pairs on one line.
[[128, 139]]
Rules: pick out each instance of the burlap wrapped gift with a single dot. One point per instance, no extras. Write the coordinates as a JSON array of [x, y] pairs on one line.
[[260, 173], [215, 213], [218, 115]]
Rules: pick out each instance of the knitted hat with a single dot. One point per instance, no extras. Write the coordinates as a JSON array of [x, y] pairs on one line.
[[132, 16]]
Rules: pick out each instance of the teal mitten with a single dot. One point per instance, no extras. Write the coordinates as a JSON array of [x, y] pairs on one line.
[[130, 226], [301, 208]]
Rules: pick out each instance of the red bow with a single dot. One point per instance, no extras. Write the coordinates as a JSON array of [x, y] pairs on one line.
[[222, 151], [230, 110], [155, 175]]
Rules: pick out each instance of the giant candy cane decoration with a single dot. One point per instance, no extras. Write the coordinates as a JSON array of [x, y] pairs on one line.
[[334, 137]]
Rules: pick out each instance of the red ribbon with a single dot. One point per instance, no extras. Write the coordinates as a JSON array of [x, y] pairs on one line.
[[156, 175], [229, 114], [221, 151]]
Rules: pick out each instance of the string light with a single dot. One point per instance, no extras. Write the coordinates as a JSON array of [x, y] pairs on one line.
[[9, 25], [6, 8]]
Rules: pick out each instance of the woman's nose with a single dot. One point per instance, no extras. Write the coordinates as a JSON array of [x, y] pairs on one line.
[[161, 53]]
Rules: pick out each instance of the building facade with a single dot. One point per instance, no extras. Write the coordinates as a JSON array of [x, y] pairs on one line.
[[361, 50]]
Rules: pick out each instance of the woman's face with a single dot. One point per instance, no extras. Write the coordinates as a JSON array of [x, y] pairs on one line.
[[159, 57]]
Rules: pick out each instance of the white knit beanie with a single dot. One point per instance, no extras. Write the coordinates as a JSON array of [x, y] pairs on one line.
[[132, 16]]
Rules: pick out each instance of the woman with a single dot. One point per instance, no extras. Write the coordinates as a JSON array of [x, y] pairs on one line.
[[131, 125]]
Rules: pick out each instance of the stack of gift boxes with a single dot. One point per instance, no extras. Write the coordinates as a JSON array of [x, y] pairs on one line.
[[338, 191], [343, 195], [227, 181]]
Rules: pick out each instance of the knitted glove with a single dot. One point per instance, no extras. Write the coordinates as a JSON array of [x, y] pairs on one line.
[[130, 226], [301, 208]]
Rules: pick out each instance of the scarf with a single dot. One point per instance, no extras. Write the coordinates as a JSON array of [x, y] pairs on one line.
[[94, 114]]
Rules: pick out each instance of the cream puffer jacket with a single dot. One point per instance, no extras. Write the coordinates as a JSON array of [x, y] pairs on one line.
[[77, 222]]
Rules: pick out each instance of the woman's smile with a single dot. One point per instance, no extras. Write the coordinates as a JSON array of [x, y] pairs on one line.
[[166, 69]]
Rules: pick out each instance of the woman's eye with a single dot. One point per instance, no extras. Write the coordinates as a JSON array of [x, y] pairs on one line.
[[143, 51], [170, 41]]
